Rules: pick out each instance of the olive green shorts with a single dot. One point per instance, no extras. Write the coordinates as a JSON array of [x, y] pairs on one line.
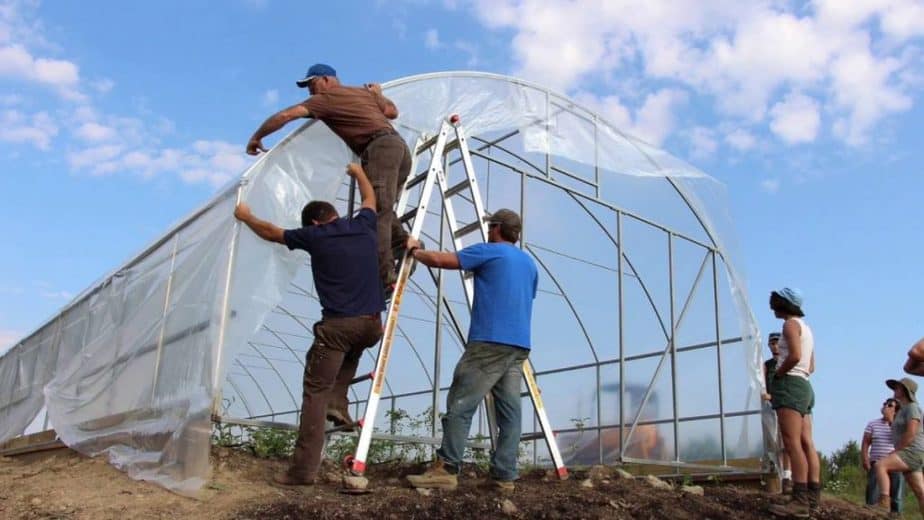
[[913, 458], [792, 392]]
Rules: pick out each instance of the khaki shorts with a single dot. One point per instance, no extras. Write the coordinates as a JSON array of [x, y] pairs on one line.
[[913, 458], [792, 392]]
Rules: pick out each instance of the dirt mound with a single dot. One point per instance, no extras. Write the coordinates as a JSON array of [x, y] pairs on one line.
[[64, 485]]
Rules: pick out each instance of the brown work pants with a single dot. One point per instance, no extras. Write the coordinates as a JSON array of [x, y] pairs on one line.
[[330, 366], [387, 162]]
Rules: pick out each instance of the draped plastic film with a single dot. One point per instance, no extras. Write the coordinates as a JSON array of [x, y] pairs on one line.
[[135, 366]]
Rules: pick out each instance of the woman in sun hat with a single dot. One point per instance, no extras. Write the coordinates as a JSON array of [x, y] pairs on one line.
[[908, 439], [792, 398]]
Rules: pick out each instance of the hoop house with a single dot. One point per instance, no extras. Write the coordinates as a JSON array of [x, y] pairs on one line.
[[644, 345]]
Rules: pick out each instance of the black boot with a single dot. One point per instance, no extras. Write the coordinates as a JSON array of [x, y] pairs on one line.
[[798, 507], [814, 495]]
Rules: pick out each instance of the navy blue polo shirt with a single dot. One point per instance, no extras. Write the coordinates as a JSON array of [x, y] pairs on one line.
[[344, 264]]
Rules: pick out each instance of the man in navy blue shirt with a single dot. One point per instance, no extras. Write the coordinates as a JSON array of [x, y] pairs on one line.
[[498, 344], [344, 264]]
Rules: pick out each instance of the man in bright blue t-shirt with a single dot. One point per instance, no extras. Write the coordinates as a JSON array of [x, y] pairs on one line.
[[498, 344]]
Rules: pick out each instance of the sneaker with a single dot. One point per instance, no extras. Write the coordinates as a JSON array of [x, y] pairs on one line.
[[340, 418], [435, 477], [287, 480]]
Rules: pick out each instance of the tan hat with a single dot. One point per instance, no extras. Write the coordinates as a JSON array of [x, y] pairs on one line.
[[907, 383]]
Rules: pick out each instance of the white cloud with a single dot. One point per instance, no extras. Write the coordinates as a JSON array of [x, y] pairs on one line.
[[212, 162], [656, 119], [17, 63], [740, 55], [37, 130], [702, 142], [102, 143], [653, 121], [432, 39], [770, 185], [740, 139], [863, 87], [93, 158], [102, 86], [271, 97], [796, 119], [94, 132]]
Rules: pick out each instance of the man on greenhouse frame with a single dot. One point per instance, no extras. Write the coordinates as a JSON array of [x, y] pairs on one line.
[[344, 268], [360, 116]]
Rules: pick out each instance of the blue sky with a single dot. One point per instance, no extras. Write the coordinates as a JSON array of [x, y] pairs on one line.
[[117, 122]]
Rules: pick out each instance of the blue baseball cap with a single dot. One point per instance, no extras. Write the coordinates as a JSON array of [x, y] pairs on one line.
[[793, 296], [315, 71]]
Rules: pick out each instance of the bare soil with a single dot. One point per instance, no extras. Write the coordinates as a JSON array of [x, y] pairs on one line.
[[61, 484]]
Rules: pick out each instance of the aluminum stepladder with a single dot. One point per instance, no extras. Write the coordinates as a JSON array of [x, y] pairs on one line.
[[440, 145]]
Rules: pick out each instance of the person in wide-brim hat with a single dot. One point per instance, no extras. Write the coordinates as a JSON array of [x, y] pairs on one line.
[[908, 438], [793, 399]]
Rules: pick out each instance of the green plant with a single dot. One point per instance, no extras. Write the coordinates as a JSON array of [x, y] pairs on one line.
[[272, 443], [227, 435]]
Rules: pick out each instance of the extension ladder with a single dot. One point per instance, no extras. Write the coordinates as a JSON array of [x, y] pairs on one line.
[[439, 146]]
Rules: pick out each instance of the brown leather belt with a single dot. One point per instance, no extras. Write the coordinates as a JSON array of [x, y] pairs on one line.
[[381, 133]]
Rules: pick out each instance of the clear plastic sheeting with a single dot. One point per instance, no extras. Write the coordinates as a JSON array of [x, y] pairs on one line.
[[644, 345]]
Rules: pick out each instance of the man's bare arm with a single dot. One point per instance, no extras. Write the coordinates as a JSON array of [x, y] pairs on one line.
[[263, 229], [864, 450], [274, 123], [440, 259], [365, 187]]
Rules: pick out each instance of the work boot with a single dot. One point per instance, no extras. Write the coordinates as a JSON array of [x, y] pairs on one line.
[[798, 507], [787, 486], [435, 477], [340, 417], [884, 503], [814, 495], [503, 486]]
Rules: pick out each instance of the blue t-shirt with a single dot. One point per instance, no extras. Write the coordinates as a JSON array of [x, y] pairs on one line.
[[505, 286], [344, 263]]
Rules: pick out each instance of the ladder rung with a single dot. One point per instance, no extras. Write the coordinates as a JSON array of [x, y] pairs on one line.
[[461, 232], [427, 144], [416, 180], [457, 188], [408, 216], [532, 436], [525, 394]]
